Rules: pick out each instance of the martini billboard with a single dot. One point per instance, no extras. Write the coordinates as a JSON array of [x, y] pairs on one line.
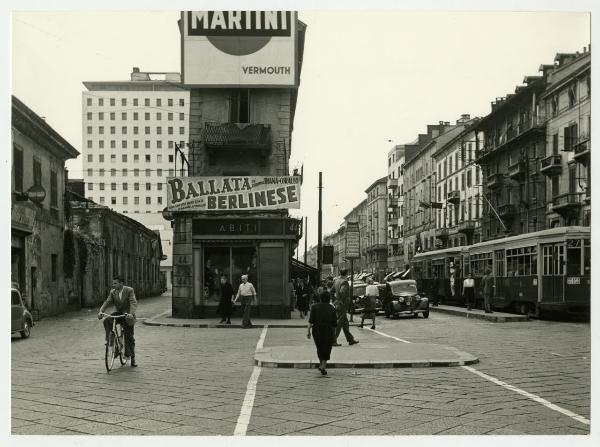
[[228, 193], [238, 48]]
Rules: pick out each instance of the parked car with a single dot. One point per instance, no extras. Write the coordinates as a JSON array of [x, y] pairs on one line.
[[21, 319], [405, 299]]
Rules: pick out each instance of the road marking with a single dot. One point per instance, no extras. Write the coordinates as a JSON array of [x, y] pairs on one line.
[[389, 336], [527, 394], [246, 411]]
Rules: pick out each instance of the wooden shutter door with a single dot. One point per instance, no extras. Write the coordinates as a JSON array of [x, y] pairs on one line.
[[272, 260]]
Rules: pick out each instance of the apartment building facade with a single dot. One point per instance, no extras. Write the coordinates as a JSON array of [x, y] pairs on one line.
[[457, 191], [130, 130], [395, 185], [566, 167]]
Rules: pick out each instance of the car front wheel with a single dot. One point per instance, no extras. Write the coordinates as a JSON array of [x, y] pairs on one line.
[[26, 332]]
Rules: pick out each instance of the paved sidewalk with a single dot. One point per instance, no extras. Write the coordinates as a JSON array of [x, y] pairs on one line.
[[496, 317], [363, 355]]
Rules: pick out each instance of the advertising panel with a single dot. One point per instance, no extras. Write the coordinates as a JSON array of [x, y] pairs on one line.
[[224, 193], [239, 48], [352, 240]]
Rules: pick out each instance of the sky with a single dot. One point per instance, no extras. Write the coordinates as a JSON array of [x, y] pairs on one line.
[[369, 79]]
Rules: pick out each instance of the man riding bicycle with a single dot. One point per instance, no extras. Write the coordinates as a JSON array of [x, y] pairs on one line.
[[123, 298]]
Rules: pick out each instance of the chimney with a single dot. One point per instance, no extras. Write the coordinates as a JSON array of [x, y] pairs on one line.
[[465, 117]]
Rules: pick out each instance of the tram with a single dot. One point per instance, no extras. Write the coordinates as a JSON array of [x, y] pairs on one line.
[[448, 265], [544, 271]]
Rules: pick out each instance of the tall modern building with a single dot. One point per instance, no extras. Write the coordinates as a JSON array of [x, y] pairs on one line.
[[130, 129]]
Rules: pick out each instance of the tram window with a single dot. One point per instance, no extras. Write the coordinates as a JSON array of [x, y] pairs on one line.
[[587, 255], [521, 261], [573, 257], [548, 270]]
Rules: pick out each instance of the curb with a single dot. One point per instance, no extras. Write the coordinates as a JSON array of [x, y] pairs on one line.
[[371, 365], [493, 318]]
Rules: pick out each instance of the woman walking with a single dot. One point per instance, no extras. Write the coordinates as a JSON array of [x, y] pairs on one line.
[[370, 310], [323, 322], [469, 290]]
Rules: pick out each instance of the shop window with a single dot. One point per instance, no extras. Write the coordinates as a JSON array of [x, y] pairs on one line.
[[232, 262]]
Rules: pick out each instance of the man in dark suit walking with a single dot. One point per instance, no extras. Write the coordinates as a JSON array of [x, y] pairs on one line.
[[123, 298]]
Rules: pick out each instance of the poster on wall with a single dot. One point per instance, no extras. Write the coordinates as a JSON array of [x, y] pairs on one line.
[[224, 193], [238, 48]]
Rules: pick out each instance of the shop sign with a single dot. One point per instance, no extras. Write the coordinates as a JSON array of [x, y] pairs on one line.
[[246, 227], [23, 217], [239, 48], [352, 240], [232, 193]]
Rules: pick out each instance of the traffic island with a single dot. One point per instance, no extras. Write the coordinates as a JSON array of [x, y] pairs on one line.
[[400, 355], [495, 317]]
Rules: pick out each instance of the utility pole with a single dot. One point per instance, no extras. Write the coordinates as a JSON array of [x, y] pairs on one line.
[[305, 237], [320, 229]]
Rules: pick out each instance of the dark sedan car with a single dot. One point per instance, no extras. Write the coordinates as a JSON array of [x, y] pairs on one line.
[[21, 319], [404, 299]]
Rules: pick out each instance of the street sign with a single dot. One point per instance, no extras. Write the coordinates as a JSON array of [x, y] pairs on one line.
[[37, 194], [352, 240]]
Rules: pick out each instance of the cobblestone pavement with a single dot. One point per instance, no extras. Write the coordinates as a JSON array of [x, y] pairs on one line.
[[193, 381]]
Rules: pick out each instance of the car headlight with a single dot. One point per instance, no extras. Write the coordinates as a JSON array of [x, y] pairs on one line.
[[401, 299]]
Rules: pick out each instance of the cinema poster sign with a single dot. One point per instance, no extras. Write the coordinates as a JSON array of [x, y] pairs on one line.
[[239, 48], [224, 193]]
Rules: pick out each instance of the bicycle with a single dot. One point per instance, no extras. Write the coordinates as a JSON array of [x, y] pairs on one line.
[[116, 343]]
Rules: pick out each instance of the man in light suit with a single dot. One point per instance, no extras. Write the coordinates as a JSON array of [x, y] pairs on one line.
[[123, 298]]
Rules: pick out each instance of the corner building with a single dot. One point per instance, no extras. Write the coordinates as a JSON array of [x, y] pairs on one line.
[[237, 130]]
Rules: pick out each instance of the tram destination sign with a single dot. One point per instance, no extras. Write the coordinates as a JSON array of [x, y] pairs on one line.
[[225, 193], [352, 240]]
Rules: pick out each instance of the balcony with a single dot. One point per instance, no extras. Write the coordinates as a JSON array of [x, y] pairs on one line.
[[581, 149], [453, 197], [495, 181], [392, 205], [254, 138], [377, 247], [466, 227], [393, 222], [552, 165], [392, 183], [567, 203], [529, 125], [441, 233], [518, 170], [507, 210]]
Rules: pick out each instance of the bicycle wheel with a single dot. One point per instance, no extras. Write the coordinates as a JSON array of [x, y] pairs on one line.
[[121, 339], [109, 356]]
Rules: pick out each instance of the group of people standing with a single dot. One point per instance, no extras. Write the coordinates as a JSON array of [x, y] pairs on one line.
[[438, 290]]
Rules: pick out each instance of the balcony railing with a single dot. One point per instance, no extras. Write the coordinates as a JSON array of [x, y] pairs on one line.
[[237, 136], [495, 180], [453, 197], [529, 123], [552, 165], [581, 149], [441, 233], [392, 183], [517, 170], [392, 203], [566, 203], [507, 210], [467, 226]]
